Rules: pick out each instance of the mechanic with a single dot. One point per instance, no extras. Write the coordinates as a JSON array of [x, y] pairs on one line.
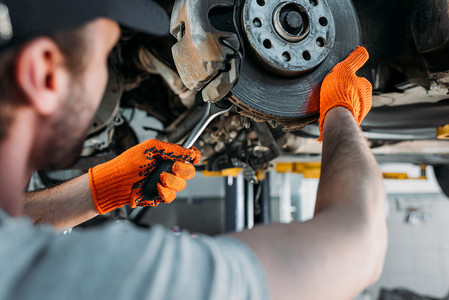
[[53, 57]]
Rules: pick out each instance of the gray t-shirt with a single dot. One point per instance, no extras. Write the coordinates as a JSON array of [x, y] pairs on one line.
[[120, 261]]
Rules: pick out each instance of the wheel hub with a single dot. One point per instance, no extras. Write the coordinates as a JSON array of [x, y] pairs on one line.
[[289, 37]]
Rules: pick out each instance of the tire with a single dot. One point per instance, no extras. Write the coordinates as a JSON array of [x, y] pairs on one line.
[[442, 175]]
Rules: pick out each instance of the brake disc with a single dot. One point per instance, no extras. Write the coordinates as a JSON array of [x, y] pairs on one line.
[[291, 46]]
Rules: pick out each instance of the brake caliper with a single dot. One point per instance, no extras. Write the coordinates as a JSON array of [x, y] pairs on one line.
[[207, 58]]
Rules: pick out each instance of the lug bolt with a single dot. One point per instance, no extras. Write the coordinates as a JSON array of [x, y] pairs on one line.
[[293, 20]]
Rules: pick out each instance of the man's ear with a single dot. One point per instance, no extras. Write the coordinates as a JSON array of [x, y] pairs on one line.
[[41, 76]]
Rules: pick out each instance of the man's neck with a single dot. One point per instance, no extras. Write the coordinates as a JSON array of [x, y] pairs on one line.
[[14, 161]]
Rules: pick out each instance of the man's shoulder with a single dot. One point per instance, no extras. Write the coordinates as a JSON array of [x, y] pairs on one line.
[[19, 230], [115, 259]]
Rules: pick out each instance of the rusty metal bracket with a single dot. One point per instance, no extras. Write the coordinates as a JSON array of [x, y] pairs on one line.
[[204, 54]]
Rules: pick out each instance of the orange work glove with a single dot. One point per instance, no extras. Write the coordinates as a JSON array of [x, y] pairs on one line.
[[120, 181], [343, 88]]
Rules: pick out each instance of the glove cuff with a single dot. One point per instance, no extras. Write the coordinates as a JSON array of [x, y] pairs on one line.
[[109, 192]]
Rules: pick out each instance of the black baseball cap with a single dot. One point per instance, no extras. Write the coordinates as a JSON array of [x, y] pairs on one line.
[[21, 20]]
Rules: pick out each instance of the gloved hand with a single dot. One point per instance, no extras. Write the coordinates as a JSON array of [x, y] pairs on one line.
[[343, 88], [121, 180]]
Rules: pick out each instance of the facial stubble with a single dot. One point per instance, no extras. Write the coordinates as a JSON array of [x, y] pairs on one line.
[[70, 130]]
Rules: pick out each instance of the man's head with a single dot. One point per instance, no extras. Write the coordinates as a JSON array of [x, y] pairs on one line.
[[59, 76], [61, 79]]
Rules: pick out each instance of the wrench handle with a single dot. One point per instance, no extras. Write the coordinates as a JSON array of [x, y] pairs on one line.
[[150, 188], [212, 111]]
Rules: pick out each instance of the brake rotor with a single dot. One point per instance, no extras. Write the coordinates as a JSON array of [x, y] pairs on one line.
[[291, 46]]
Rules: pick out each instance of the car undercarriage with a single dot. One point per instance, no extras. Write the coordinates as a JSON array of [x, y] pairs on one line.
[[269, 57]]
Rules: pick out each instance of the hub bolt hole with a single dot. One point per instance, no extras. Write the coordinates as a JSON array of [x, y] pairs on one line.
[[320, 42], [257, 22], [267, 44], [314, 2], [306, 55], [286, 56], [323, 21], [261, 2]]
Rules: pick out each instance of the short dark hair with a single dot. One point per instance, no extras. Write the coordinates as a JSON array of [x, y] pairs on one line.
[[72, 43]]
